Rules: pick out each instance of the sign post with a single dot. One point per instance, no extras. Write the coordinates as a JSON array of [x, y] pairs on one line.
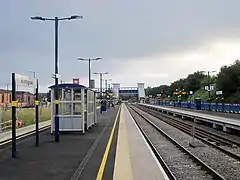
[[18, 81], [14, 104], [36, 114], [193, 132]]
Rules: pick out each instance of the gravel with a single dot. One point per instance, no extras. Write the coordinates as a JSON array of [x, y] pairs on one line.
[[223, 164], [181, 164]]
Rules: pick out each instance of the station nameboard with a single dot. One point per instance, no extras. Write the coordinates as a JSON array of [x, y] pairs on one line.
[[25, 81], [177, 93]]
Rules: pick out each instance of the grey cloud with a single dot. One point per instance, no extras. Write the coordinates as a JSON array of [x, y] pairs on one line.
[[110, 29]]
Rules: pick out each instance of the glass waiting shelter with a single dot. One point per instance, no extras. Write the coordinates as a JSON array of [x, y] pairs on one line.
[[77, 107]]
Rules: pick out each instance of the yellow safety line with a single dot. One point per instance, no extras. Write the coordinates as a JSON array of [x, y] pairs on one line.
[[23, 135], [104, 159]]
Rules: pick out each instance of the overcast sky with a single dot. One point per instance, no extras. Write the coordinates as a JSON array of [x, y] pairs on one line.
[[154, 41]]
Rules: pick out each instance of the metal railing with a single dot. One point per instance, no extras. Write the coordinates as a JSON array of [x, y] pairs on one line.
[[5, 125]]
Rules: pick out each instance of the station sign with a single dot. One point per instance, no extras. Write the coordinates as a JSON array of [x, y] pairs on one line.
[[178, 93], [75, 80], [219, 92], [25, 81], [211, 87]]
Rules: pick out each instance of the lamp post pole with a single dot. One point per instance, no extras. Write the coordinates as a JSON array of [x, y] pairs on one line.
[[89, 67], [106, 82], [56, 75], [106, 85], [209, 90], [100, 75]]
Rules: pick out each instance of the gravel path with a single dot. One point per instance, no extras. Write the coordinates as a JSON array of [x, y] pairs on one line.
[[220, 162]]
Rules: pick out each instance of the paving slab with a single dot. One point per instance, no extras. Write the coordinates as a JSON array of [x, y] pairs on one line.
[[53, 160]]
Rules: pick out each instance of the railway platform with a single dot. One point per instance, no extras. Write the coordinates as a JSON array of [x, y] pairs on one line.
[[6, 136], [113, 149], [218, 120], [214, 113], [134, 157], [68, 159]]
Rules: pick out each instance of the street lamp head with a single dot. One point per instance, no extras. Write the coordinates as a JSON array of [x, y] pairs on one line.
[[100, 73], [38, 18], [99, 58], [87, 59], [75, 17], [80, 59]]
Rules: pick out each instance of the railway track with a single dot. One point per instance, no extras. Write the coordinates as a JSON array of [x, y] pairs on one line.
[[178, 162], [224, 144]]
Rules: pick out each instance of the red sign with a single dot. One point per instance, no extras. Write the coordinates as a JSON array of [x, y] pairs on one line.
[[75, 80]]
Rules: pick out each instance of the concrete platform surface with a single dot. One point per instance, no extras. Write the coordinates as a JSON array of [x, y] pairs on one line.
[[200, 114], [8, 134], [62, 160], [134, 158], [214, 113]]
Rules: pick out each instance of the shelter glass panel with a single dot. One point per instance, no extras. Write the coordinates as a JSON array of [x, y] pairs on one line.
[[90, 107], [77, 108], [76, 94], [67, 95], [65, 108]]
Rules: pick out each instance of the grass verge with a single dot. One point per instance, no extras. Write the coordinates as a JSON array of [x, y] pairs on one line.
[[28, 115]]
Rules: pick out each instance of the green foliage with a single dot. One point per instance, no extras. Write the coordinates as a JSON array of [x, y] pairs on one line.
[[228, 81], [27, 115]]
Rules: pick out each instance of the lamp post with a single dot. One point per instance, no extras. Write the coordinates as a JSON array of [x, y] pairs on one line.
[[100, 75], [209, 91], [89, 67], [34, 74], [56, 75], [106, 85], [109, 84]]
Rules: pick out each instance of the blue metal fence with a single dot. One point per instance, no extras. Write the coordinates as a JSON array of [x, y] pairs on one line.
[[218, 107]]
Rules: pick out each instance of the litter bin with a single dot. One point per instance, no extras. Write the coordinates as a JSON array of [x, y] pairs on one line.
[[198, 103]]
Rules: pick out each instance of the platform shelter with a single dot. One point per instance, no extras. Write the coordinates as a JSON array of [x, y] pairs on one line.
[[77, 107]]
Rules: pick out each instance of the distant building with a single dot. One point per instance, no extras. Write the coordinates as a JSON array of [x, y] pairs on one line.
[[24, 98]]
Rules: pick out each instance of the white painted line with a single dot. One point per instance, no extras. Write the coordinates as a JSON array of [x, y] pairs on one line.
[[149, 148]]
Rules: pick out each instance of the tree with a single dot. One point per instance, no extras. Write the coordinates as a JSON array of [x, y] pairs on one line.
[[228, 79], [193, 81]]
